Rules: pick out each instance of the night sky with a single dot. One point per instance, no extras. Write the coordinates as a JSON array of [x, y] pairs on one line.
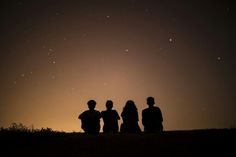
[[56, 55]]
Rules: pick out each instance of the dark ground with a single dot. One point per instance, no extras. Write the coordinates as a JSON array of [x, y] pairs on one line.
[[210, 142]]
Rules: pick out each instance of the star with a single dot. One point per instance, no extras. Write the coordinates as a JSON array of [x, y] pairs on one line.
[[146, 10], [57, 13], [126, 51], [51, 50], [19, 3], [220, 59], [171, 40], [53, 77], [204, 109], [13, 85]]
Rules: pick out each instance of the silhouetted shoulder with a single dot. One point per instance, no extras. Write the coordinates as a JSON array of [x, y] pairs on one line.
[[110, 114], [103, 113], [82, 115], [152, 111], [115, 113], [90, 114], [97, 113]]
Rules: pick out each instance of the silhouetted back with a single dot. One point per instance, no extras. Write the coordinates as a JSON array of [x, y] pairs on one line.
[[110, 118], [130, 118], [152, 117], [90, 119]]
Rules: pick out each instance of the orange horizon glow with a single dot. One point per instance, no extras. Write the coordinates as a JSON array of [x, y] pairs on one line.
[[53, 62]]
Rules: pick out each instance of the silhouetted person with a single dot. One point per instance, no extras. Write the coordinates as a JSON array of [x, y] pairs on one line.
[[152, 117], [90, 119], [110, 118], [130, 118]]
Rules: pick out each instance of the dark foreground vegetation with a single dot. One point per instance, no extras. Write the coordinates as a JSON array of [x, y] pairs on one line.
[[45, 142]]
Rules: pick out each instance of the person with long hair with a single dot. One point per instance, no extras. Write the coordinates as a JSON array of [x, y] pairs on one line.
[[130, 118]]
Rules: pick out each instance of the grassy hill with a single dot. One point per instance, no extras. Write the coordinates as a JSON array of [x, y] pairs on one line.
[[212, 142]]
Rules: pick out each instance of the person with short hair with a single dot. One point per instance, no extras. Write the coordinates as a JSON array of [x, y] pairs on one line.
[[90, 119], [110, 118], [152, 117]]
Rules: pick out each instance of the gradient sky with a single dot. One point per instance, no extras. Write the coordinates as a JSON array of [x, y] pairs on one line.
[[56, 55]]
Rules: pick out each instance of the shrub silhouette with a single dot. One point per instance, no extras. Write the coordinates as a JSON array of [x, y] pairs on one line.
[[18, 127]]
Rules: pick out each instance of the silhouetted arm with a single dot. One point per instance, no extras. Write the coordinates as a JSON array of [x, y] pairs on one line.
[[136, 117], [143, 118], [99, 115], [117, 115], [161, 118], [81, 116]]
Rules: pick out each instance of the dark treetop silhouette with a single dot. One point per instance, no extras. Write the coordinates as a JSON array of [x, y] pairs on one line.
[[130, 118], [110, 118], [152, 117], [90, 119]]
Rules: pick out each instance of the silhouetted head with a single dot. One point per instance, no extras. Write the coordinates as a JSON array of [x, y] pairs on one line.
[[130, 106], [91, 104], [150, 101], [109, 104]]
